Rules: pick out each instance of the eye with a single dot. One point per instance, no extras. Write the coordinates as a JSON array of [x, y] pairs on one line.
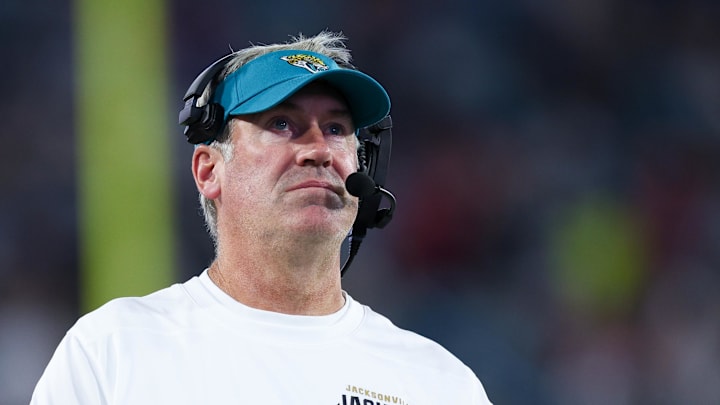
[[337, 130], [280, 124]]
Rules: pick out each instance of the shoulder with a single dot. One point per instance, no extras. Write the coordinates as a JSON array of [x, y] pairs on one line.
[[426, 365], [150, 311], [386, 338]]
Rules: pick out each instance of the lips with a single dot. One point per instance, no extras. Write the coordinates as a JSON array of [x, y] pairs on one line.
[[317, 184]]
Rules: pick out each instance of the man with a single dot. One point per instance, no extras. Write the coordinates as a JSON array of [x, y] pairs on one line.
[[268, 321]]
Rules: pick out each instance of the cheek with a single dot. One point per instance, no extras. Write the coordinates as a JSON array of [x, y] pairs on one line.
[[346, 165], [346, 159], [249, 173], [257, 159]]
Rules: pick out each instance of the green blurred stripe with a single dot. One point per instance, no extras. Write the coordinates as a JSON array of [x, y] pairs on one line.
[[126, 243]]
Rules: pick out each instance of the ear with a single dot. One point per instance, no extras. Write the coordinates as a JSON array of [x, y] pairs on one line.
[[206, 166]]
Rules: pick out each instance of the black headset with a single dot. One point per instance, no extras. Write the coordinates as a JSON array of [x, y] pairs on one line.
[[204, 123]]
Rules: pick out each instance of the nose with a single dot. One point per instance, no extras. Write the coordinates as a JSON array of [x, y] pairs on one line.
[[313, 149]]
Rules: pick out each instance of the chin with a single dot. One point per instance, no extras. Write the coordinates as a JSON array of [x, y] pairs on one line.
[[322, 221]]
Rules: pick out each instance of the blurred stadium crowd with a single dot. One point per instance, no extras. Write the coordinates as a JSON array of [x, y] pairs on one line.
[[556, 164]]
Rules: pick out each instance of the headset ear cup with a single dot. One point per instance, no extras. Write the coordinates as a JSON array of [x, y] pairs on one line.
[[374, 157], [203, 124], [214, 120], [208, 128]]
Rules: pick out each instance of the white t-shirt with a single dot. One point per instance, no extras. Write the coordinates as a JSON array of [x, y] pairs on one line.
[[193, 344]]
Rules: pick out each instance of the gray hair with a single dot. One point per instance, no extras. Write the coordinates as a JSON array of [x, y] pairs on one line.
[[330, 44]]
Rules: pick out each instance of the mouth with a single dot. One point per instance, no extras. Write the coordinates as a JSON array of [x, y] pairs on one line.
[[314, 184]]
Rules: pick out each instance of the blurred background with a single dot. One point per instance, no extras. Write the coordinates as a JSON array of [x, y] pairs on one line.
[[556, 164]]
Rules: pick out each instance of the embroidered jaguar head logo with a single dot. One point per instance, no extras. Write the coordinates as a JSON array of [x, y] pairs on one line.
[[312, 64]]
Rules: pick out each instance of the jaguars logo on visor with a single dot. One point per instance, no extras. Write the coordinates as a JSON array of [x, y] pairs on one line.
[[312, 64]]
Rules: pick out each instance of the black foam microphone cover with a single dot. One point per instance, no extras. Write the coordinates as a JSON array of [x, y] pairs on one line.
[[360, 185]]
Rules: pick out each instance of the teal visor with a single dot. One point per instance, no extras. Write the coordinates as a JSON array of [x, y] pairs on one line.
[[269, 79]]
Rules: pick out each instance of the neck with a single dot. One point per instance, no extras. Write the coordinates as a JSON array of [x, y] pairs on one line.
[[297, 281]]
